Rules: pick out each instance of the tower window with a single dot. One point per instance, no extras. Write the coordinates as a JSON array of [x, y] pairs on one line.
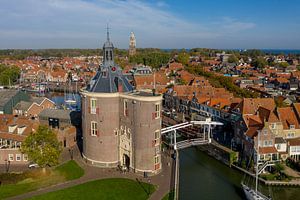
[[94, 130], [157, 111], [156, 137], [125, 108], [106, 56], [104, 74], [156, 159], [110, 55], [93, 106]]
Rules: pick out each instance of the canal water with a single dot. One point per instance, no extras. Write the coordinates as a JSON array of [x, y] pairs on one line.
[[59, 99], [203, 177]]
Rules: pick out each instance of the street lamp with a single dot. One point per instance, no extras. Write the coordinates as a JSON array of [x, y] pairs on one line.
[[7, 165], [71, 153], [149, 186]]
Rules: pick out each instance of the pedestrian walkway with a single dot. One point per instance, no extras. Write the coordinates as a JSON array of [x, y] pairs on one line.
[[162, 180]]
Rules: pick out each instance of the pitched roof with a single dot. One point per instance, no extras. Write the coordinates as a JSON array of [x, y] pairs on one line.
[[6, 95], [23, 105], [267, 150], [294, 142], [251, 105], [56, 113], [288, 117]]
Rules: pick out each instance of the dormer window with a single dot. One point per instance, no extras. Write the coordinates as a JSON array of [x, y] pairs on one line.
[[12, 128], [21, 129], [292, 126]]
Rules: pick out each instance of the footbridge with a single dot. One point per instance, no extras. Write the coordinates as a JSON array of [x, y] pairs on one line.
[[200, 138]]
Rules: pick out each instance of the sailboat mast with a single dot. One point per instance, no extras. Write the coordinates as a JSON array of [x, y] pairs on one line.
[[257, 157]]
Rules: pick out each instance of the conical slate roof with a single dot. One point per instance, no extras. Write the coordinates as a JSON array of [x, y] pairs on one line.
[[110, 80], [109, 77]]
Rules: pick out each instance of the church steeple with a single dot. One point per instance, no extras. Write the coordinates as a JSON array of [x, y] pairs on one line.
[[107, 33], [108, 51], [132, 45]]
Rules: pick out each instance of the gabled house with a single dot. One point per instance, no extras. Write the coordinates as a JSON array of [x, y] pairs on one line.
[[33, 107]]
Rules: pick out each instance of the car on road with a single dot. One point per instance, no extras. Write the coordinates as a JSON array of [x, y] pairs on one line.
[[32, 165], [166, 112]]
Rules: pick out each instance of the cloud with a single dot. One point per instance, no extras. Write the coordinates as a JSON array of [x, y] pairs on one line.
[[235, 25], [24, 21], [162, 4]]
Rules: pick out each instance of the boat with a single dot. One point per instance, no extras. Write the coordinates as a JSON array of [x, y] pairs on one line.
[[70, 99], [254, 194]]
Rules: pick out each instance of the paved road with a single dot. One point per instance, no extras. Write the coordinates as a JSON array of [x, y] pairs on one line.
[[162, 180]]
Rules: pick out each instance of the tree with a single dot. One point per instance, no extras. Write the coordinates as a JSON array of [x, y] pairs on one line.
[[233, 59], [42, 147], [259, 63], [183, 58], [283, 64], [8, 74], [154, 59]]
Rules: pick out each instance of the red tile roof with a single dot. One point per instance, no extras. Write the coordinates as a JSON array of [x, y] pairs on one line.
[[288, 117], [267, 150]]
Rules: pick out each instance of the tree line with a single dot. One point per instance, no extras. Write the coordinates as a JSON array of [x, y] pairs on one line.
[[221, 81]]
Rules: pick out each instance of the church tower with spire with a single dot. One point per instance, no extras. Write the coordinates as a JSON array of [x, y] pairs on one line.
[[120, 126], [132, 44]]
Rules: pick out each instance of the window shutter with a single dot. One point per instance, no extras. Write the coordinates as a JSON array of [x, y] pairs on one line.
[[153, 143], [157, 166], [97, 133], [126, 112], [153, 115], [97, 110]]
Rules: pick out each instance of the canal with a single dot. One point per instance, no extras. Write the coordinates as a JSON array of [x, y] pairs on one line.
[[203, 177]]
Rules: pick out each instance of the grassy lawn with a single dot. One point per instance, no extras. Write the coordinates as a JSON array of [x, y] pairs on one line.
[[70, 170], [15, 184], [110, 189]]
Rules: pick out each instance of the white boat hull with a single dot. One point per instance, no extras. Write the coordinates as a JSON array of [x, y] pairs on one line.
[[252, 195]]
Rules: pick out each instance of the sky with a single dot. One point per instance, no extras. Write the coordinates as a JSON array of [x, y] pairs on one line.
[[223, 24]]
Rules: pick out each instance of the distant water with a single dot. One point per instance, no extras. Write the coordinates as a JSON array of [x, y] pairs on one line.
[[267, 51], [281, 51]]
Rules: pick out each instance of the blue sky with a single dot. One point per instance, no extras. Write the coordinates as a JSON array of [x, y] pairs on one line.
[[240, 24]]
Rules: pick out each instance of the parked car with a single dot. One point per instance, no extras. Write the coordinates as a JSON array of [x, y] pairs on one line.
[[166, 112], [32, 165]]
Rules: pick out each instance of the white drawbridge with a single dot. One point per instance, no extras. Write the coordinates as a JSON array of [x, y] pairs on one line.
[[204, 139]]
